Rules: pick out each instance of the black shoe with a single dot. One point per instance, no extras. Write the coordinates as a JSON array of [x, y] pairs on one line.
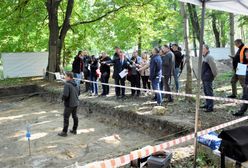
[[208, 110], [73, 132], [103, 95], [203, 107], [238, 114], [232, 96], [62, 134]]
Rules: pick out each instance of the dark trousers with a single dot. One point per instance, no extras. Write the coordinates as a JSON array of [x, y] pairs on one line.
[[67, 112], [244, 107], [135, 82], [120, 91], [166, 84], [105, 79], [87, 77], [234, 80], [145, 82], [208, 91]]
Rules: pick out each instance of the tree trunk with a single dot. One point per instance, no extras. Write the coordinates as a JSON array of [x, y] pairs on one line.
[[232, 32], [194, 44], [215, 30], [223, 33], [56, 35], [188, 87], [242, 33], [139, 44], [194, 20], [52, 9]]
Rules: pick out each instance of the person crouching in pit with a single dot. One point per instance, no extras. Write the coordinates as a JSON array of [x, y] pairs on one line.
[[71, 102]]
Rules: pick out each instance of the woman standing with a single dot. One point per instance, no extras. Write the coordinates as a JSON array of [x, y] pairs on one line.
[[145, 71], [94, 76]]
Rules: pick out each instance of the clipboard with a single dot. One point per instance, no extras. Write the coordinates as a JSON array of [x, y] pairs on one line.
[[241, 69], [123, 73]]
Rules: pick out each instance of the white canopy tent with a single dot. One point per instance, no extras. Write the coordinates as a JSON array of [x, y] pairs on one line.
[[231, 6]]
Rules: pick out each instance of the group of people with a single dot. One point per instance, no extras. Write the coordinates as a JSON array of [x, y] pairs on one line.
[[155, 69]]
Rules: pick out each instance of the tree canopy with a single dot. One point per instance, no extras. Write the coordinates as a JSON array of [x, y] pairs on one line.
[[99, 25]]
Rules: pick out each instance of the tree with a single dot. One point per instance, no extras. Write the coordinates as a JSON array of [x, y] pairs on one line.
[[194, 20], [188, 88], [215, 29], [58, 33], [231, 23]]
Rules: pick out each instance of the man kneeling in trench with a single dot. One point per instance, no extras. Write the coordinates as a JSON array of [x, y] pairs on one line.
[[71, 102]]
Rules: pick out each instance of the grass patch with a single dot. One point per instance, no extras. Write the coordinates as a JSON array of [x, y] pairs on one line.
[[224, 76], [14, 82]]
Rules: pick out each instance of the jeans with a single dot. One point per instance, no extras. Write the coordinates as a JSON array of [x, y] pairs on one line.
[[208, 91], [156, 87], [94, 86], [176, 78], [78, 76], [105, 79], [87, 77], [120, 91], [67, 112]]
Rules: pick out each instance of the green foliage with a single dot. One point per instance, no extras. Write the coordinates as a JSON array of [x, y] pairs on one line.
[[25, 22], [24, 25]]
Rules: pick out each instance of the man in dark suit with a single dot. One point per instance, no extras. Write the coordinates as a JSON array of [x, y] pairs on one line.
[[119, 64]]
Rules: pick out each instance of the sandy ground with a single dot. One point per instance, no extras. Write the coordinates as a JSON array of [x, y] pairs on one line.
[[96, 140]]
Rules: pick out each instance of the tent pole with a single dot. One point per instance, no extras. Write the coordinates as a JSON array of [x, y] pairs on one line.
[[199, 78]]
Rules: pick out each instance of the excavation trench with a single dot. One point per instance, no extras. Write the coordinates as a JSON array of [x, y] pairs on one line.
[[107, 128]]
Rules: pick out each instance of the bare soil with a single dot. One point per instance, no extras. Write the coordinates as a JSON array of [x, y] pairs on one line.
[[96, 140]]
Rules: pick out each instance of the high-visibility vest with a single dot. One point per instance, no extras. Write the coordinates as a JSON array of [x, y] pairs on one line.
[[242, 54]]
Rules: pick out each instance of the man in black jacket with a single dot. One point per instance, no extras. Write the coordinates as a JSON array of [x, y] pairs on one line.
[[105, 71], [235, 78], [77, 67], [244, 107], [71, 102], [178, 61], [168, 67]]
